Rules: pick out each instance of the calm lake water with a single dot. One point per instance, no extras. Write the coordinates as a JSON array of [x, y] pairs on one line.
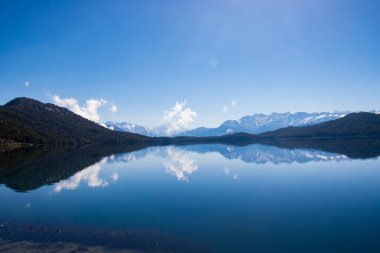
[[200, 198]]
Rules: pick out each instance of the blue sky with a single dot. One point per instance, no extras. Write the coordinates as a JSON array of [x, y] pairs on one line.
[[227, 59]]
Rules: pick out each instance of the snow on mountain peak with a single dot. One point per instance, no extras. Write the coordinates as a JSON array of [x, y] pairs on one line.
[[259, 123], [254, 124]]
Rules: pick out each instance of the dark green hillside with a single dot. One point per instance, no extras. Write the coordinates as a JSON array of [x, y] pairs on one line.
[[27, 169], [26, 120], [361, 124]]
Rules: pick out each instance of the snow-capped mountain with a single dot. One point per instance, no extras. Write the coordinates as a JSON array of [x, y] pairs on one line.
[[159, 131], [259, 123], [133, 128], [262, 154], [253, 124]]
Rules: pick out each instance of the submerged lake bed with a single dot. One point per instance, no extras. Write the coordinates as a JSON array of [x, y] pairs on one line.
[[196, 198]]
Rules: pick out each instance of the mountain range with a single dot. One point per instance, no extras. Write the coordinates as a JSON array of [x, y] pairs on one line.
[[252, 124], [133, 128], [260, 123], [28, 121]]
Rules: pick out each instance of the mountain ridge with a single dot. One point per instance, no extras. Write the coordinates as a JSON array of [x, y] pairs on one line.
[[359, 124], [259, 123], [252, 124], [26, 120], [133, 128]]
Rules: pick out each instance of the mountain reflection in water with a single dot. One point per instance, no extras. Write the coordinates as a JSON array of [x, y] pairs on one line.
[[178, 162], [29, 169], [269, 197]]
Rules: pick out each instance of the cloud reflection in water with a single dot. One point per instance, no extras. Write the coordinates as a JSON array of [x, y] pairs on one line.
[[90, 175], [179, 164]]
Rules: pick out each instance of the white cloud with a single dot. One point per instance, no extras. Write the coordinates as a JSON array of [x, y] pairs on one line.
[[113, 108], [90, 175], [26, 83], [179, 164], [178, 117], [89, 111], [233, 103]]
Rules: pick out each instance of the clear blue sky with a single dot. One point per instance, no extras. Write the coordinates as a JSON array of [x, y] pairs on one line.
[[143, 56]]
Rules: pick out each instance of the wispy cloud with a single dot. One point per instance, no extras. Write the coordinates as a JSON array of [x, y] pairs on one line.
[[178, 117], [88, 111], [226, 108], [113, 108]]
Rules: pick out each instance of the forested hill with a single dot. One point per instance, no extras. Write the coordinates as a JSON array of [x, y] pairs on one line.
[[362, 124], [26, 120]]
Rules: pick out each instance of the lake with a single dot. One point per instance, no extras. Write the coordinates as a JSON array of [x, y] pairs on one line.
[[197, 198]]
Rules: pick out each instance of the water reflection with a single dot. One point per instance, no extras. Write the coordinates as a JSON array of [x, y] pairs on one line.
[[29, 169], [262, 154], [266, 198], [228, 172], [178, 163], [26, 170], [89, 175]]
